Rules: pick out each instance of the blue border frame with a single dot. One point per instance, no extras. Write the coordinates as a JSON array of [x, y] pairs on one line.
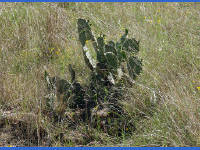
[[99, 0], [100, 148]]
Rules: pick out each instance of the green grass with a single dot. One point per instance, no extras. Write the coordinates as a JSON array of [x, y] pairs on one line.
[[169, 46]]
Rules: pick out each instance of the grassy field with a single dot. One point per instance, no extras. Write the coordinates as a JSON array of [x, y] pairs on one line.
[[164, 102]]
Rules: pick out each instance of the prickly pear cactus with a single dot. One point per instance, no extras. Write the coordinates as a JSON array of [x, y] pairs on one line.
[[63, 92], [85, 34], [98, 100], [111, 59], [111, 56]]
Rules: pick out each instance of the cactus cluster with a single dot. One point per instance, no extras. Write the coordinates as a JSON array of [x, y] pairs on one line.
[[99, 100], [110, 56]]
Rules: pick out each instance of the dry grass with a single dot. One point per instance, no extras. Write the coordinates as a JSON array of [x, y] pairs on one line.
[[169, 34]]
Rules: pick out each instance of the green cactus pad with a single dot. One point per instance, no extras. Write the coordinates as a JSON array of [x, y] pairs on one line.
[[84, 31], [131, 45], [134, 66], [110, 48], [111, 60], [122, 56]]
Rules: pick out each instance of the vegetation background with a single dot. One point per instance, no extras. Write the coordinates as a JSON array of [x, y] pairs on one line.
[[169, 35]]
